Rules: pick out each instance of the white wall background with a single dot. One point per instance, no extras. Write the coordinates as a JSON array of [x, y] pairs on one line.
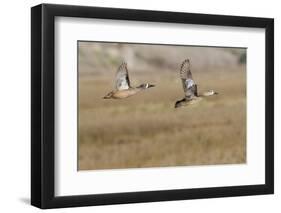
[[15, 106]]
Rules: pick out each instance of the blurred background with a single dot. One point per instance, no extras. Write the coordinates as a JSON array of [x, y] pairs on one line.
[[146, 130], [97, 58]]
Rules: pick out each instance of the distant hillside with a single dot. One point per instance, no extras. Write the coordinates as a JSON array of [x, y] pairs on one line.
[[96, 58]]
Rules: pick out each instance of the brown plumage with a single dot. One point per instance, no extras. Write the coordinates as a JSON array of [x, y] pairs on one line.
[[190, 87], [123, 88]]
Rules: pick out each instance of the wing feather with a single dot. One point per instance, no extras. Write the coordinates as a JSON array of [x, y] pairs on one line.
[[189, 86], [185, 72], [122, 81]]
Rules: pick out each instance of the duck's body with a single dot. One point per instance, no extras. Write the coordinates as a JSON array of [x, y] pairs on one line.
[[186, 102], [123, 88], [120, 94], [190, 87]]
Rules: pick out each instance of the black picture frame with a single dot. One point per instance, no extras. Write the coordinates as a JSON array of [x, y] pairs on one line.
[[43, 102]]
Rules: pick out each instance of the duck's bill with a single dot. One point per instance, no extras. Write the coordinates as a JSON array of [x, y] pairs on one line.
[[151, 85]]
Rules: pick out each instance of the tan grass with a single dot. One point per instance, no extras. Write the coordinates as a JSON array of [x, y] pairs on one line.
[[147, 131]]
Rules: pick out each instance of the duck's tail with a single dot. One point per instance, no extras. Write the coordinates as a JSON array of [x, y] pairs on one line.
[[180, 103]]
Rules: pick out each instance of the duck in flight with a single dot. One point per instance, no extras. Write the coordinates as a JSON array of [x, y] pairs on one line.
[[123, 87], [190, 87]]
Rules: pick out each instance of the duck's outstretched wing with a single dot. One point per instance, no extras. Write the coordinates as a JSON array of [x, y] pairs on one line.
[[189, 86], [122, 81]]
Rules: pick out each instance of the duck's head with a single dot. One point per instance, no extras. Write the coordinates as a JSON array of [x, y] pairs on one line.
[[108, 96], [145, 86]]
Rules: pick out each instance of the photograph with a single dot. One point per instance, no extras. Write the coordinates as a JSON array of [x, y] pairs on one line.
[[160, 105], [141, 105]]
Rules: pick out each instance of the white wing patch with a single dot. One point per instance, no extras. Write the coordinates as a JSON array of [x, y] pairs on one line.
[[123, 85], [189, 83], [122, 81]]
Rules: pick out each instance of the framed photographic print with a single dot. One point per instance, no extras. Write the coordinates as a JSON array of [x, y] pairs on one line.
[[139, 106]]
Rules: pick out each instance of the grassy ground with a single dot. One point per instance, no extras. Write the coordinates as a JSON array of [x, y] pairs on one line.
[[147, 131]]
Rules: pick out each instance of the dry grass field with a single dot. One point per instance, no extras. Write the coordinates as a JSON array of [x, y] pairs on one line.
[[146, 130]]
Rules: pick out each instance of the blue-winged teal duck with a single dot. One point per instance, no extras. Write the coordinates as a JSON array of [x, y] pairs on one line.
[[123, 88], [190, 87]]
